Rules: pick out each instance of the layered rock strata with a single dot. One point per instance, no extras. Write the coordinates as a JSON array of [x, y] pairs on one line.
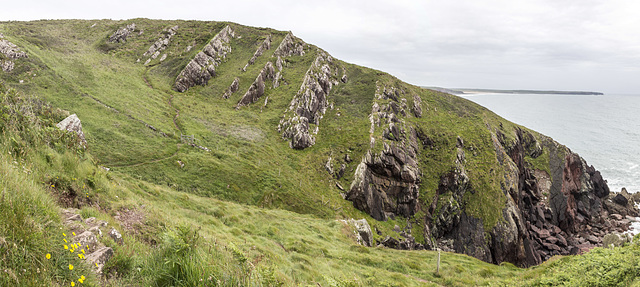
[[290, 46], [386, 183], [202, 68], [256, 90], [266, 45], [310, 103], [161, 44], [232, 88]]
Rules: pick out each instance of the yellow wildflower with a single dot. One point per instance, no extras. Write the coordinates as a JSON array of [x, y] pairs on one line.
[[74, 234], [63, 234], [70, 267], [65, 241], [97, 264], [66, 247], [79, 255], [48, 256], [73, 284], [82, 277], [82, 251], [81, 280]]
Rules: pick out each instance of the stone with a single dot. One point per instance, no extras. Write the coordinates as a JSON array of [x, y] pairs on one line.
[[116, 236], [72, 123], [122, 34], [593, 239], [290, 46], [620, 199], [202, 67], [256, 90], [310, 102], [616, 216], [85, 239], [363, 231], [417, 106], [99, 257], [11, 50], [162, 43], [232, 88], [266, 45]]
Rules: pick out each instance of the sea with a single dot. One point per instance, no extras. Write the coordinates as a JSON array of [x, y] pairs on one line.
[[602, 129]]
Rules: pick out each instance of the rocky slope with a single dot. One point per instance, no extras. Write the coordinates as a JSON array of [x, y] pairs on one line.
[[432, 170]]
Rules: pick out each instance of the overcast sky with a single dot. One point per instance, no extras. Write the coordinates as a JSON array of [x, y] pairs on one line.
[[544, 44]]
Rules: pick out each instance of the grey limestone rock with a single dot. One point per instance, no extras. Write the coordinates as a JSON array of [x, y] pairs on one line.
[[122, 34], [72, 123], [256, 90], [232, 88], [266, 45], [310, 103], [202, 68], [99, 257], [290, 46]]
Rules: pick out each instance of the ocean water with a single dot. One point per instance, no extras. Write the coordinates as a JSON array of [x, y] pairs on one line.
[[604, 130]]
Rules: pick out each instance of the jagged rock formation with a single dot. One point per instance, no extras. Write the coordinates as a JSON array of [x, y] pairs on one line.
[[386, 184], [121, 34], [232, 88], [161, 44], [266, 45], [72, 123], [256, 90], [9, 52], [202, 67], [310, 103], [290, 46]]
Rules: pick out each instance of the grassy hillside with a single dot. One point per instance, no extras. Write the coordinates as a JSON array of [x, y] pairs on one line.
[[251, 210]]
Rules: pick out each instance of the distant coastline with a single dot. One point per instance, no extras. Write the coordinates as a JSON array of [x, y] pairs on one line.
[[494, 91]]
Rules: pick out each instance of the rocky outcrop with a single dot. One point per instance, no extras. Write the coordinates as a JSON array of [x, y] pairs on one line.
[[266, 45], [86, 234], [256, 90], [202, 68], [290, 46], [362, 231], [232, 88], [122, 34], [161, 44], [310, 103], [9, 52], [72, 123], [386, 184]]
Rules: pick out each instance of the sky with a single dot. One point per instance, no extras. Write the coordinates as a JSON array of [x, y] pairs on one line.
[[586, 45]]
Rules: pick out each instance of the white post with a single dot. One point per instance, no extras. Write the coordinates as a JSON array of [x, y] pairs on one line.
[[438, 266]]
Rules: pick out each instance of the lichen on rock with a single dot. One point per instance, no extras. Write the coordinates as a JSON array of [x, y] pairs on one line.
[[310, 103], [202, 68]]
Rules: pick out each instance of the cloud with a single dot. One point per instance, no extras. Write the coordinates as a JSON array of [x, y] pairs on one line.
[[538, 44]]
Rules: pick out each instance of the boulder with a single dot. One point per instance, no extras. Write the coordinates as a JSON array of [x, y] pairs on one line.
[[620, 199], [99, 257], [364, 235], [290, 46], [72, 123], [116, 236], [85, 239]]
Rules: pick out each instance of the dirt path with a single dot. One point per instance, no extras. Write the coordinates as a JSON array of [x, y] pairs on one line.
[[175, 118]]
